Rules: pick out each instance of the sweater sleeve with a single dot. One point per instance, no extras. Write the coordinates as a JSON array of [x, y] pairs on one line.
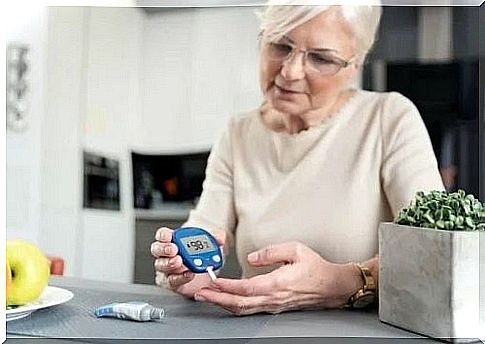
[[408, 161], [215, 209]]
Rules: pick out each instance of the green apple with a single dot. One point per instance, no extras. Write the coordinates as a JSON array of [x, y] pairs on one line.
[[8, 279], [30, 272]]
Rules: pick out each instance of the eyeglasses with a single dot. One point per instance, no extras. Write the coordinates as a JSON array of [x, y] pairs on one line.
[[317, 62]]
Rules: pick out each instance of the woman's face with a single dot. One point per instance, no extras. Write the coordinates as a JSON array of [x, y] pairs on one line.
[[294, 88]]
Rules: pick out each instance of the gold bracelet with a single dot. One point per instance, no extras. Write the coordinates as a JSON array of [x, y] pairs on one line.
[[367, 294]]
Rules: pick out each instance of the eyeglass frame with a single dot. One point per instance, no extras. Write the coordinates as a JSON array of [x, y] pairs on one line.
[[341, 63]]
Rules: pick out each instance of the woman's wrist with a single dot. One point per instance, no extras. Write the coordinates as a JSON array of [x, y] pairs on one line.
[[349, 281], [351, 278]]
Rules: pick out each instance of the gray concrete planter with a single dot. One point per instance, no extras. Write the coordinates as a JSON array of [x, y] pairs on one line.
[[429, 281]]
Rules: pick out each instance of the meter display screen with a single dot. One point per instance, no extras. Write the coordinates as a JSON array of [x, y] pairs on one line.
[[198, 244]]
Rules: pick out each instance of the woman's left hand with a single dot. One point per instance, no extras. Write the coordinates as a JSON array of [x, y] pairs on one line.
[[305, 280]]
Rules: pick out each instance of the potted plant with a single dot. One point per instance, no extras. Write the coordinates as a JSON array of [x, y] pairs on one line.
[[429, 274]]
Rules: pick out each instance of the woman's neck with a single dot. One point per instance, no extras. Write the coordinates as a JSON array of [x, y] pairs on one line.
[[293, 124]]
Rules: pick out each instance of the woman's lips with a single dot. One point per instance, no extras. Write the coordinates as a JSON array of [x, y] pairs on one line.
[[286, 93]]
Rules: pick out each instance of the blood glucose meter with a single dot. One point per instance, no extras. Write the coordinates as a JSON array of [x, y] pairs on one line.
[[198, 249]]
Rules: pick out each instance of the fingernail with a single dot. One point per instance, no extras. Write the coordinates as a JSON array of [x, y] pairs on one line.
[[187, 274], [198, 297], [171, 262], [253, 257]]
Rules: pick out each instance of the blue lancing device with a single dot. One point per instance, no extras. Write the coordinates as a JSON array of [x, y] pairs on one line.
[[198, 249]]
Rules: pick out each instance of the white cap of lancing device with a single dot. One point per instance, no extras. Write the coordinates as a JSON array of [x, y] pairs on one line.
[[211, 273]]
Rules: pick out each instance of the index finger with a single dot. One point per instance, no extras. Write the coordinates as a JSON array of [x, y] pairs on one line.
[[278, 253], [255, 286], [164, 234]]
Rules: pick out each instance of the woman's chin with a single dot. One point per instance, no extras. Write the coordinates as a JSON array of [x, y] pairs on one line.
[[288, 108]]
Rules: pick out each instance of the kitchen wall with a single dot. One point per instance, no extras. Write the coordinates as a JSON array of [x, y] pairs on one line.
[[60, 146], [199, 68], [23, 150], [110, 126], [85, 96], [94, 106]]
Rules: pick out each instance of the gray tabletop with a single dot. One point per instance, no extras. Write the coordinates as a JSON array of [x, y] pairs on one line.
[[187, 320]]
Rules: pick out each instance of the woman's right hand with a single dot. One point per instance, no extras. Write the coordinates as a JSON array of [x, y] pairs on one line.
[[168, 263]]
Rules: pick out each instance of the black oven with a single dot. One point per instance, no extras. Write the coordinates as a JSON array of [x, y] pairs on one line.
[[175, 178], [101, 182]]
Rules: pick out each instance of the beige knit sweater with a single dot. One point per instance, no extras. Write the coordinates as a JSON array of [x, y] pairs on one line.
[[327, 187]]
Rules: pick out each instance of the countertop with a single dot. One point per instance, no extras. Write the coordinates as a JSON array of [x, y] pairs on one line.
[[189, 321]]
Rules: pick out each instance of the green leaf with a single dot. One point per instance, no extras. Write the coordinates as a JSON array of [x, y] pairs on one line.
[[433, 205], [476, 206], [410, 219], [449, 225], [469, 222], [442, 210], [428, 218]]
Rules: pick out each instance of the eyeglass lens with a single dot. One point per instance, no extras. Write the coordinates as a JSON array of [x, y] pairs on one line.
[[318, 61]]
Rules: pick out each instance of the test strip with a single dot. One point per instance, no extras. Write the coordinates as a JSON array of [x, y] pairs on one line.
[[211, 273]]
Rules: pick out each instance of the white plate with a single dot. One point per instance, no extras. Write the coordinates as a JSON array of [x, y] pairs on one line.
[[51, 296]]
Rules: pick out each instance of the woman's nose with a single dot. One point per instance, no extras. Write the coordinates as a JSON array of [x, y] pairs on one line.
[[292, 68]]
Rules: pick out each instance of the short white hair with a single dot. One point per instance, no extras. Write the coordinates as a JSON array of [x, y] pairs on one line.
[[282, 16]]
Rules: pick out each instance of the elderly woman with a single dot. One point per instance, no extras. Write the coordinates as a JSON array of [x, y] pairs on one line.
[[302, 183]]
